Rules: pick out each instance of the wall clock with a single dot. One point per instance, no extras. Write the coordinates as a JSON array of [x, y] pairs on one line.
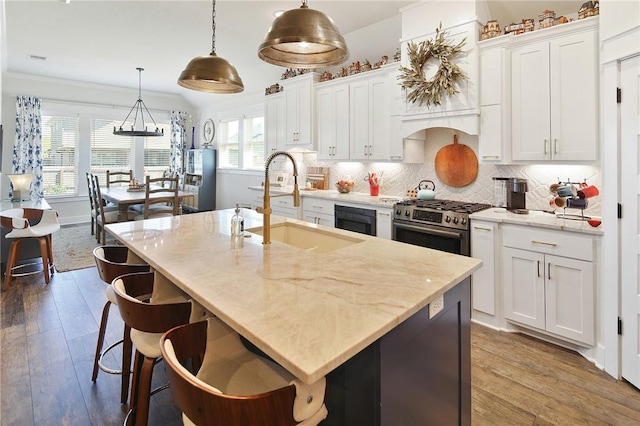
[[208, 130]]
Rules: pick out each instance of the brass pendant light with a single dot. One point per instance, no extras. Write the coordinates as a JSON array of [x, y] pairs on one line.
[[139, 107], [303, 38], [211, 73]]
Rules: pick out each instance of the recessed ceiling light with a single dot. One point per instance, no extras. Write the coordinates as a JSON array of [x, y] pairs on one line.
[[37, 57]]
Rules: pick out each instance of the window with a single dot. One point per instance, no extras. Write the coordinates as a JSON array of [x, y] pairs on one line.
[[109, 151], [157, 152], [59, 153], [241, 139]]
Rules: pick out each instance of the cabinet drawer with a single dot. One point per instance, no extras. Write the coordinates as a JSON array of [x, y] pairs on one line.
[[559, 243], [282, 202], [318, 205]]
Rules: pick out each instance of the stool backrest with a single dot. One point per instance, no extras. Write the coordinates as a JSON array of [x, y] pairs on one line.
[[111, 262]]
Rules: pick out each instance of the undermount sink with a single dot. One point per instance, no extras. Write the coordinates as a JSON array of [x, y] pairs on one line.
[[302, 237]]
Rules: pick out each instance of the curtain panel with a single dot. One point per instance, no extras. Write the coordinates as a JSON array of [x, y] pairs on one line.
[[178, 141], [27, 145]]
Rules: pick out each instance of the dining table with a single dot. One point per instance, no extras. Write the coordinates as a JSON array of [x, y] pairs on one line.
[[124, 197]]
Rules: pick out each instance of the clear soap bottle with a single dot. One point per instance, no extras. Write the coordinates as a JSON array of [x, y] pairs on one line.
[[237, 223]]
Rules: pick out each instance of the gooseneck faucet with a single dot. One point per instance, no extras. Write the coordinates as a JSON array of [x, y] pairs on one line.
[[266, 206]]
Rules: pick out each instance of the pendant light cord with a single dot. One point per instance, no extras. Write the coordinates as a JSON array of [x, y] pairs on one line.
[[213, 28]]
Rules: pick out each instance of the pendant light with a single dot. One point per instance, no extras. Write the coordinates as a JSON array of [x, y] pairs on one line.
[[139, 107], [211, 73], [303, 38]]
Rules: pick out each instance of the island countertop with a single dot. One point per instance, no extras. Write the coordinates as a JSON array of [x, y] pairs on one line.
[[309, 311]]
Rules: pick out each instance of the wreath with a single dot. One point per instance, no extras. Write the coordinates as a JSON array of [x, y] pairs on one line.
[[430, 91]]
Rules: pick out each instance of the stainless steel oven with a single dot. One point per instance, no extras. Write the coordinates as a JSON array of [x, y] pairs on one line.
[[355, 219], [436, 224]]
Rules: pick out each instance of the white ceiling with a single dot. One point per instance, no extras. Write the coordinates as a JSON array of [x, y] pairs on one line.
[[103, 41]]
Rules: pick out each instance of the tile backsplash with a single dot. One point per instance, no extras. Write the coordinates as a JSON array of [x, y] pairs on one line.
[[397, 178]]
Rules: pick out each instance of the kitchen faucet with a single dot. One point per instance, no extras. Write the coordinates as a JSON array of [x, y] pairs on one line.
[[266, 206]]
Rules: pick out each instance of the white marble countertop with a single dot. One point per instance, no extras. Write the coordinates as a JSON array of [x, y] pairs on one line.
[[538, 219], [382, 201], [311, 312]]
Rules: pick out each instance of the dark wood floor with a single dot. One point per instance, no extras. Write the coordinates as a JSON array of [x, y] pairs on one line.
[[48, 335]]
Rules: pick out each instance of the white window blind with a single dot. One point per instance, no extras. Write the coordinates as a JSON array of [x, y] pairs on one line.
[[157, 151], [229, 143], [109, 151], [59, 154], [253, 142]]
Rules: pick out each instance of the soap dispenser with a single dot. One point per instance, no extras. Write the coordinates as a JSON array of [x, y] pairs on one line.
[[237, 223]]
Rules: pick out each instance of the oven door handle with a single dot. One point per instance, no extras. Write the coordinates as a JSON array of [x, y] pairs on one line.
[[432, 231]]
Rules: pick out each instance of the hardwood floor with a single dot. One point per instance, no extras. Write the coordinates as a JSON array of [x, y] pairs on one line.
[[48, 335]]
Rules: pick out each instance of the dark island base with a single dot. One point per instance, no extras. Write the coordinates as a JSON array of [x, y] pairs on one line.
[[417, 374]]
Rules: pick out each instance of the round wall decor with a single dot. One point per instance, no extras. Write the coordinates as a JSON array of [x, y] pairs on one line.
[[208, 130], [428, 92]]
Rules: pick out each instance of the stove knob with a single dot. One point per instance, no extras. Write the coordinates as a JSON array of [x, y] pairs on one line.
[[407, 213], [447, 219], [398, 212], [455, 220], [463, 221]]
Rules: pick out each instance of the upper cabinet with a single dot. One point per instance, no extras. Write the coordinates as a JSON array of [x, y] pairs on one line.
[[332, 101], [300, 102], [275, 122], [539, 95]]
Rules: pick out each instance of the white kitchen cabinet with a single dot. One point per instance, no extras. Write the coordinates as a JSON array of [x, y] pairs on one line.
[[318, 211], [554, 98], [483, 247], [333, 121], [280, 205], [548, 280], [369, 115], [299, 99], [275, 122], [383, 222]]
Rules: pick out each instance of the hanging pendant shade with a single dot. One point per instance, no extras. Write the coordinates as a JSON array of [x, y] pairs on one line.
[[211, 73], [303, 38], [140, 108]]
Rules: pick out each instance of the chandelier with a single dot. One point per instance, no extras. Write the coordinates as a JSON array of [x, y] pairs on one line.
[[139, 107]]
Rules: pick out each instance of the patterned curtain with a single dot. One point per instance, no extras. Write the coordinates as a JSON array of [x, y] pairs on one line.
[[27, 146], [178, 141]]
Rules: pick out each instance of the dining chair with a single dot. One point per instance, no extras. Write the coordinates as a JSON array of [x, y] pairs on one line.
[[104, 216], [160, 200], [119, 177], [113, 261], [19, 221], [232, 386], [107, 206], [147, 318]]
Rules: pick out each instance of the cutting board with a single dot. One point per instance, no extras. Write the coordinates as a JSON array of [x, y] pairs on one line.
[[456, 164]]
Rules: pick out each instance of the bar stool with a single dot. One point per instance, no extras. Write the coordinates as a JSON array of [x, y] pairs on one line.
[[111, 262], [148, 318], [19, 221], [233, 386]]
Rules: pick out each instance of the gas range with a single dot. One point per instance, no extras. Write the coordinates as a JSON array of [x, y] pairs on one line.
[[445, 213]]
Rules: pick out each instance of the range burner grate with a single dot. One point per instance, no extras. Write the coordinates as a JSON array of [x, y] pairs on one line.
[[446, 205]]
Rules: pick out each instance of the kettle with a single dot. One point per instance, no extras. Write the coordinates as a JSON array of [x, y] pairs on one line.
[[424, 193]]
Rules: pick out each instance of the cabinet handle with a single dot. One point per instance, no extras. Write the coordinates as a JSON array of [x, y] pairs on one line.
[[491, 156], [395, 157], [543, 243], [481, 228], [370, 150], [384, 214], [317, 207], [545, 146], [555, 146], [549, 270], [538, 269]]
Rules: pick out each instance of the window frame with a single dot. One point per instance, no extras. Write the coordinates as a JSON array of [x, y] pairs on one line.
[[240, 115]]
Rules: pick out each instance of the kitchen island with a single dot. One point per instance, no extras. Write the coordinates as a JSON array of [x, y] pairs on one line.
[[358, 315]]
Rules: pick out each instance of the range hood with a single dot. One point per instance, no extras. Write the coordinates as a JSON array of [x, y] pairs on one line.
[[460, 19]]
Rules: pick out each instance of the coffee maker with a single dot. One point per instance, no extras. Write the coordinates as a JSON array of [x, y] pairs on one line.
[[516, 195]]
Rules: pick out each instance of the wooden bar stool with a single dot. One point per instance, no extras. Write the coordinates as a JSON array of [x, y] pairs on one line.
[[148, 319], [232, 386], [29, 223], [111, 262]]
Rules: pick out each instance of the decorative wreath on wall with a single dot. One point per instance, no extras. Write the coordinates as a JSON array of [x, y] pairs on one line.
[[429, 92]]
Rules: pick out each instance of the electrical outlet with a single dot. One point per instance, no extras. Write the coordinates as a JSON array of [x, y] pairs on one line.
[[436, 306]]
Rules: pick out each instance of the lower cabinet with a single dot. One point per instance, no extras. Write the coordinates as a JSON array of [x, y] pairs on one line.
[[483, 247], [280, 205], [383, 223], [548, 282], [318, 211]]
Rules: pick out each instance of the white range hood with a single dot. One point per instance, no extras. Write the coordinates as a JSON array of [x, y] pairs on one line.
[[460, 19]]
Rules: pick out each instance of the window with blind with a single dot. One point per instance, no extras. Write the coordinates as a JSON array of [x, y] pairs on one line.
[[241, 142], [109, 151], [59, 153], [157, 152], [229, 144], [253, 148]]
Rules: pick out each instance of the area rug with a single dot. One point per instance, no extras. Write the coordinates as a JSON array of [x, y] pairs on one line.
[[73, 247]]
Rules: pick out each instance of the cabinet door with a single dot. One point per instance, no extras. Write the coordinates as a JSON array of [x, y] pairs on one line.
[[483, 289], [570, 298], [292, 105], [530, 115], [383, 223], [524, 291], [379, 119], [275, 123], [333, 122], [490, 142], [359, 120], [574, 101]]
